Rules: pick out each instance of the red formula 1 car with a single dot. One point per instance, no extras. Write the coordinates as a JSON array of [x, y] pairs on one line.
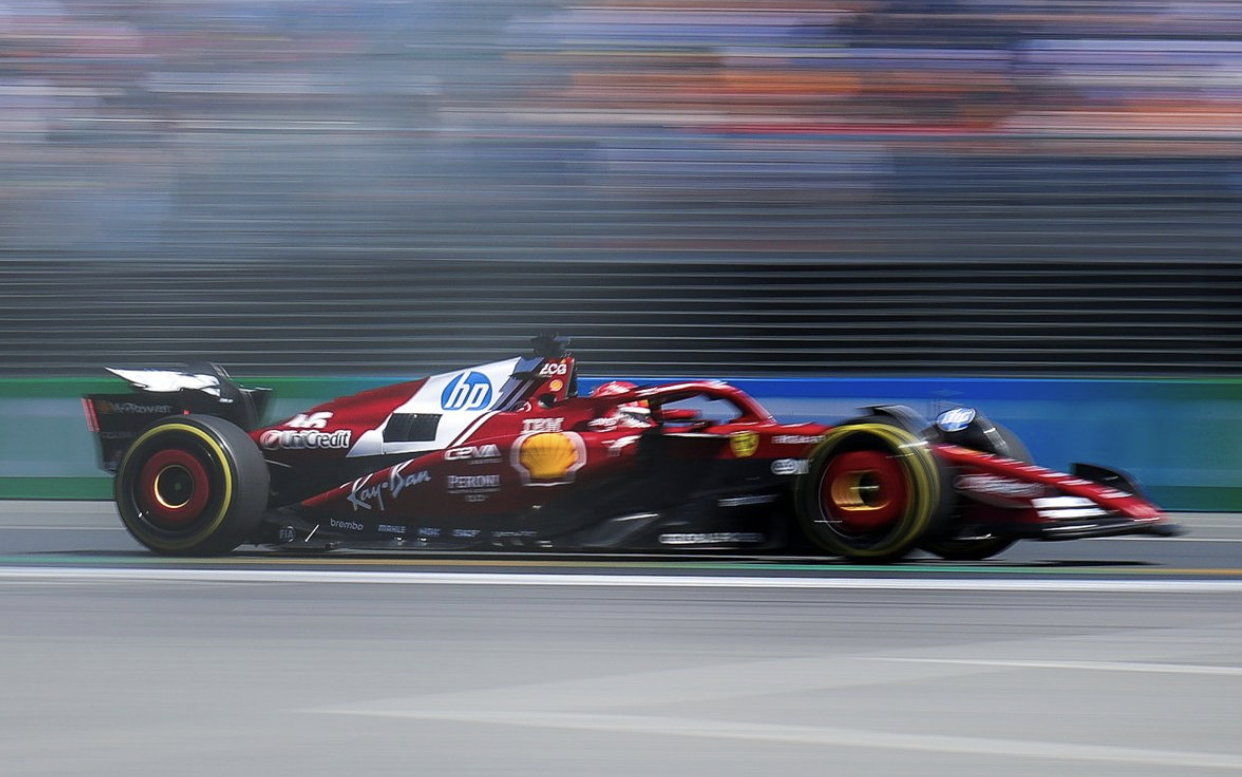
[[507, 455]]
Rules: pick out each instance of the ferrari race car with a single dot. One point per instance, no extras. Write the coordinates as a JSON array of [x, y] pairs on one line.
[[508, 456]]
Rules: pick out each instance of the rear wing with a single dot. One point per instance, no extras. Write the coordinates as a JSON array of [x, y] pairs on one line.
[[116, 419]]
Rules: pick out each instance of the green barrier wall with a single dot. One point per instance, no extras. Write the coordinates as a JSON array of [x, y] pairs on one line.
[[1181, 438]]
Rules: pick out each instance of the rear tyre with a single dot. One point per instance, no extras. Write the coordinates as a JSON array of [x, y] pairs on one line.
[[871, 492], [192, 485], [983, 546]]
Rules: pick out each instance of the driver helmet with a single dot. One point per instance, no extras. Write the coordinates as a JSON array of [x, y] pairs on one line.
[[636, 414], [613, 388]]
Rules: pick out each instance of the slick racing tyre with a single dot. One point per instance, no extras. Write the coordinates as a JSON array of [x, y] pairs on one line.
[[983, 545], [192, 485], [871, 492]]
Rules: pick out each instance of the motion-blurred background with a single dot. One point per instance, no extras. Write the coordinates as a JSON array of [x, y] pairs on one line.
[[768, 187]]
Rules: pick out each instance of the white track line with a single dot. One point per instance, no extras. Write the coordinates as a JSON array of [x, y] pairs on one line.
[[1142, 667], [108, 574], [828, 736]]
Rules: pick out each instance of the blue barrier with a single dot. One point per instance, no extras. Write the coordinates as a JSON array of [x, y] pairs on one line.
[[1181, 438]]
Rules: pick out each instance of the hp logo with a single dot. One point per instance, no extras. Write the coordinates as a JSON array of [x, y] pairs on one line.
[[955, 420], [467, 391]]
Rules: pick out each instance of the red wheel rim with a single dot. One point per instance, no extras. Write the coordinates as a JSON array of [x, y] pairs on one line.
[[173, 488], [863, 491]]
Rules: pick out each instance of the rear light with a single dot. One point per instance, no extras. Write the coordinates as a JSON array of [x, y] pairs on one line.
[[92, 423]]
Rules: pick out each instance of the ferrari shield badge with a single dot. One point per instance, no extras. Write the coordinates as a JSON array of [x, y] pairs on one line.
[[744, 444]]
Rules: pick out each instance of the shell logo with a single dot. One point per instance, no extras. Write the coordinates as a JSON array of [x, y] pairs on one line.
[[549, 458]]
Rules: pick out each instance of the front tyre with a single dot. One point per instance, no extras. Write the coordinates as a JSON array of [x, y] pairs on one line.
[[985, 545], [871, 492], [978, 548], [192, 485]]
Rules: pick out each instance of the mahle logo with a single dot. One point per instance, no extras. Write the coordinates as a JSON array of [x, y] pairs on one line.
[[467, 391]]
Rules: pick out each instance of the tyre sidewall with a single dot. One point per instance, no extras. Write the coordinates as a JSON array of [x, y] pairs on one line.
[[950, 548], [924, 486], [236, 484]]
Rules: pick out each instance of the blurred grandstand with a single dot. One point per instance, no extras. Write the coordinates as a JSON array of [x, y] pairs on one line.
[[1007, 187]]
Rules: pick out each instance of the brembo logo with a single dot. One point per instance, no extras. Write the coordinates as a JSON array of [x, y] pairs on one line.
[[276, 439], [467, 391]]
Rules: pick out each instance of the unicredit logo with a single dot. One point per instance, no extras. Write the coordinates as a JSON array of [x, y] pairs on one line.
[[302, 439]]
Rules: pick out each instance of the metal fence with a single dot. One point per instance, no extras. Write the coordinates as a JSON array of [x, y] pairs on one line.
[[396, 317]]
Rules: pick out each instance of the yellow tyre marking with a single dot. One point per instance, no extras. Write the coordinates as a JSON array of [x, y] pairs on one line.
[[216, 520], [916, 462]]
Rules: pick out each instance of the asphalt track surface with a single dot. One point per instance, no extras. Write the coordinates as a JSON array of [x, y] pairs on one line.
[[1101, 657]]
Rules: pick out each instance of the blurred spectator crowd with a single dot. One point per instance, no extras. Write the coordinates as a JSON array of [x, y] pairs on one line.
[[202, 127]]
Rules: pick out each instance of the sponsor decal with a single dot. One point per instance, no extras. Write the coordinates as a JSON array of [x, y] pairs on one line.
[[429, 532], [553, 368], [789, 467], [549, 458], [519, 534], [557, 385], [467, 391], [458, 483], [278, 439], [711, 538], [364, 497], [361, 495], [398, 482], [1067, 508], [744, 444], [995, 485], [621, 443], [106, 435], [476, 454], [955, 420], [169, 380], [542, 425], [390, 528], [747, 501], [466, 534], [350, 525], [312, 421], [131, 408], [797, 439]]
